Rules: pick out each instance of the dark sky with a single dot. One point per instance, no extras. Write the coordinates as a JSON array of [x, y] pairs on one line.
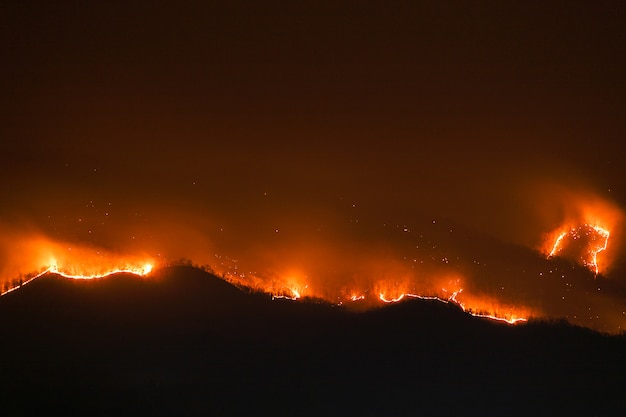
[[307, 136]]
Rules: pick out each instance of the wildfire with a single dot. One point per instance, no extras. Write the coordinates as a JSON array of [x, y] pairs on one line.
[[295, 295], [292, 283], [586, 221], [594, 239], [355, 297], [474, 308], [295, 286], [139, 269], [482, 306]]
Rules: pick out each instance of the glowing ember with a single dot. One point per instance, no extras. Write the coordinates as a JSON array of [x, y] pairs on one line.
[[585, 243]]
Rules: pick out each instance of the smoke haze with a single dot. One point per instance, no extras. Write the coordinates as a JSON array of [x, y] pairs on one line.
[[338, 150]]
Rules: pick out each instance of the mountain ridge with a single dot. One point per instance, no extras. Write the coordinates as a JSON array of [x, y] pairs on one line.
[[184, 342]]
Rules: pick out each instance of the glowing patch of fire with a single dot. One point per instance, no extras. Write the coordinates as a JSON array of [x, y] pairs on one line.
[[53, 268], [512, 319], [593, 250], [295, 295], [142, 271]]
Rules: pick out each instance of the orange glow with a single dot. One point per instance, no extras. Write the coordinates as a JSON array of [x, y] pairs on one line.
[[487, 307], [475, 306], [293, 287], [395, 282], [142, 270], [42, 255], [588, 230], [557, 244], [443, 287], [597, 240]]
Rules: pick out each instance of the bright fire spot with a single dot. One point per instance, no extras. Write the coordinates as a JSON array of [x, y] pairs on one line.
[[584, 243], [28, 255], [295, 294], [292, 289], [390, 300], [147, 268]]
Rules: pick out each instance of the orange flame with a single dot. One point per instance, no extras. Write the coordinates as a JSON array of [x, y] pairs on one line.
[[140, 270], [476, 306], [37, 253], [592, 249], [588, 230]]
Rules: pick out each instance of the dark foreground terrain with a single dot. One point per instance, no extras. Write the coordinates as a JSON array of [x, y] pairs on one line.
[[184, 342]]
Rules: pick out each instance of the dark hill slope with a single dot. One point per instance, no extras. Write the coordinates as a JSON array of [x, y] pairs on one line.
[[184, 342]]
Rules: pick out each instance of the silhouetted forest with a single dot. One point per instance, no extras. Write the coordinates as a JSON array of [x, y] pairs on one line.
[[184, 342]]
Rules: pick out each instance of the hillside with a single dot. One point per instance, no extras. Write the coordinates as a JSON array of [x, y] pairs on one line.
[[184, 342]]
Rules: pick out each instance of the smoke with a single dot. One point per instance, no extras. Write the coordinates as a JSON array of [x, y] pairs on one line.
[[340, 250]]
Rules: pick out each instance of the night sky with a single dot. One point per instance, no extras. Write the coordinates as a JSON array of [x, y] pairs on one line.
[[339, 144]]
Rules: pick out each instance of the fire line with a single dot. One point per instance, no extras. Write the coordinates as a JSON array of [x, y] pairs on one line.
[[143, 270], [453, 299]]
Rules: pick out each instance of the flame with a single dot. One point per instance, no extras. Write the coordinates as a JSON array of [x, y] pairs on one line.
[[147, 268], [587, 228], [477, 307], [53, 268], [591, 250], [451, 291], [394, 292], [295, 295], [395, 282], [557, 244], [140, 270], [67, 260], [83, 263], [489, 308], [294, 287], [445, 288]]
